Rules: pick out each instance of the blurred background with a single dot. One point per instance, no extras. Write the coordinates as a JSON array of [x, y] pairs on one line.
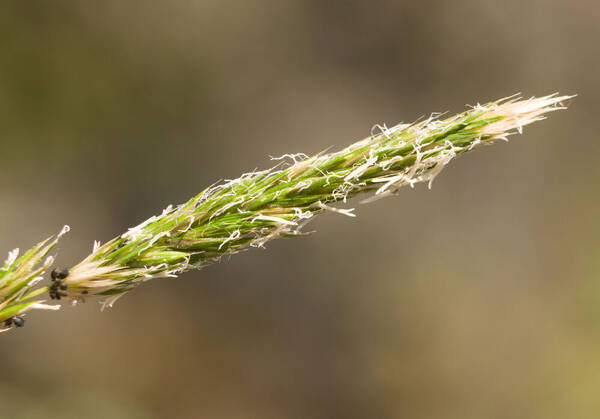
[[479, 298]]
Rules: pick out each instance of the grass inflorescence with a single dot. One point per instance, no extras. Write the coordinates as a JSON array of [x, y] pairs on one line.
[[259, 206]]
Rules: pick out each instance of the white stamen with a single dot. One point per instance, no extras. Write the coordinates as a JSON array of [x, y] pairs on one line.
[[191, 217], [236, 234], [298, 157], [271, 218], [40, 306], [343, 211], [12, 257], [64, 231], [34, 281]]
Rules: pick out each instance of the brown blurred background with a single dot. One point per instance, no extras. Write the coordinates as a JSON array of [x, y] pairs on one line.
[[477, 299]]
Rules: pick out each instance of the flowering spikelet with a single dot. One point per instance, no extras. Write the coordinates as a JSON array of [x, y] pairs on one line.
[[18, 278], [262, 205]]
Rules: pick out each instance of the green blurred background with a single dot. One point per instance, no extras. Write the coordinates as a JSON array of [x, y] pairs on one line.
[[477, 299]]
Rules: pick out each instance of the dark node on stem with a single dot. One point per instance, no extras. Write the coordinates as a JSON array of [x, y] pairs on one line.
[[57, 275], [16, 321], [58, 289], [57, 294]]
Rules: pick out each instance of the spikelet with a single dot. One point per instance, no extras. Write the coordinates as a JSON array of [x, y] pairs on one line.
[[19, 277]]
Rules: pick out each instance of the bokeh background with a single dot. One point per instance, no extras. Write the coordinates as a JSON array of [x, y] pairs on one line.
[[479, 298]]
